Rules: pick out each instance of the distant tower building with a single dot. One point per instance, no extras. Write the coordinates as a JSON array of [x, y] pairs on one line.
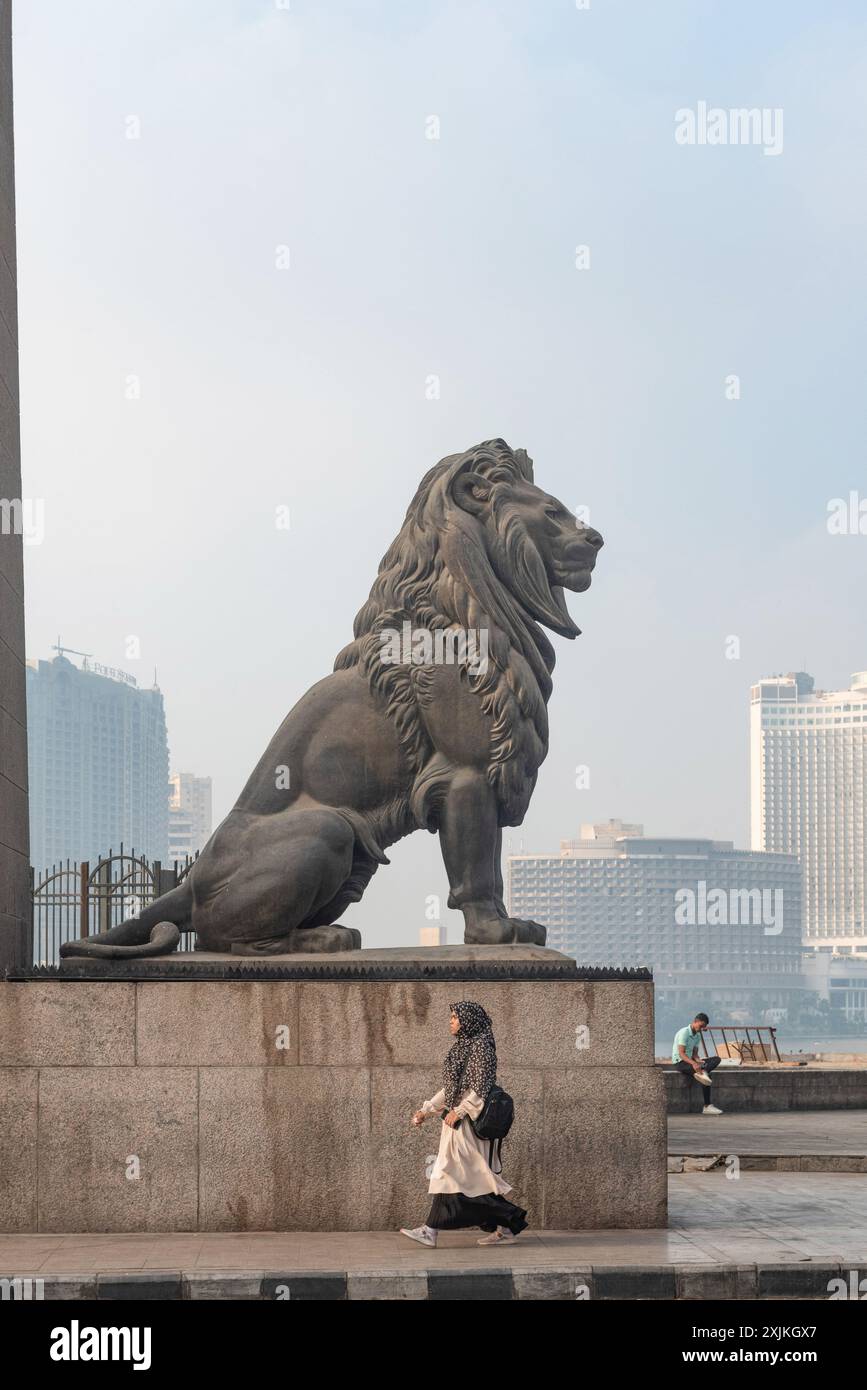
[[99, 763], [808, 785], [189, 814]]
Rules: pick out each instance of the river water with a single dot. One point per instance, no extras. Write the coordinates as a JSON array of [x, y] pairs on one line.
[[792, 1043]]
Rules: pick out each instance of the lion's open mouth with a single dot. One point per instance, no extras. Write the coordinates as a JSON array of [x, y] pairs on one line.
[[577, 579], [574, 574]]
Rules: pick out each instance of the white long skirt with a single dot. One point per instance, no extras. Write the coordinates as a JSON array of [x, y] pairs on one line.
[[462, 1160]]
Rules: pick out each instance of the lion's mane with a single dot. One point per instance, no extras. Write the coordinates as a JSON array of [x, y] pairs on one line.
[[437, 575]]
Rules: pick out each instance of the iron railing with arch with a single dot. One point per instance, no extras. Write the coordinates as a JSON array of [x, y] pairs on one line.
[[74, 899]]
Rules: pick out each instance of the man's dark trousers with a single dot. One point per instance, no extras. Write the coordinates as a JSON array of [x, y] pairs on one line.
[[709, 1064]]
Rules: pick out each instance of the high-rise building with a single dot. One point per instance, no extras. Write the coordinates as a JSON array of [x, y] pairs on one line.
[[99, 763], [189, 815], [713, 922], [808, 786]]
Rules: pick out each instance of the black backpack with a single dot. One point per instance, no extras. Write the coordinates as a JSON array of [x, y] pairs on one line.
[[494, 1123]]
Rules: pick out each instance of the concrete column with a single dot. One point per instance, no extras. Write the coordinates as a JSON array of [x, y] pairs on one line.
[[15, 929]]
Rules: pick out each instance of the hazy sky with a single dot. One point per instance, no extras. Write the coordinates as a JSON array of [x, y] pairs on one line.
[[155, 261]]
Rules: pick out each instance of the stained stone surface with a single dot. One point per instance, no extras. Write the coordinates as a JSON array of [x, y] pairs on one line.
[[285, 1105], [98, 1128], [284, 1149], [19, 1092], [53, 1024], [605, 1148], [256, 1024]]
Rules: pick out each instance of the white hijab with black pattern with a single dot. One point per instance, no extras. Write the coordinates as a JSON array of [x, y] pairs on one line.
[[471, 1062]]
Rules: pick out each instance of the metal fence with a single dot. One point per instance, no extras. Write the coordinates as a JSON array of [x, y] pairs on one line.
[[756, 1042], [80, 899]]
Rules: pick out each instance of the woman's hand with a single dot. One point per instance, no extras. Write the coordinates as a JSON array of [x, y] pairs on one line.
[[419, 1117], [451, 1118]]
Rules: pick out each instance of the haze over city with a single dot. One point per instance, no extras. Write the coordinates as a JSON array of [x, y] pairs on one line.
[[275, 290]]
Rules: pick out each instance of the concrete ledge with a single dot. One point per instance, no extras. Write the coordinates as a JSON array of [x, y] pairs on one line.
[[490, 1285], [140, 1287], [504, 962], [308, 1286], [702, 1282], [203, 1286], [808, 1280], [387, 1284], [758, 1089], [804, 1279]]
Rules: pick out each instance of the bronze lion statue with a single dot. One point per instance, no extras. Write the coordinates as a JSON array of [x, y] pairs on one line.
[[434, 717]]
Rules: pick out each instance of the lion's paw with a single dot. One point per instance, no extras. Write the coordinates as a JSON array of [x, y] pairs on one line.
[[532, 932], [505, 931]]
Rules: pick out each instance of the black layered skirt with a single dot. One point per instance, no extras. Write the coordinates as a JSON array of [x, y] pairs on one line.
[[451, 1211]]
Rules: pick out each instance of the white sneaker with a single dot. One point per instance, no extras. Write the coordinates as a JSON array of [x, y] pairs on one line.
[[425, 1235], [501, 1236], [711, 1110], [703, 1077]]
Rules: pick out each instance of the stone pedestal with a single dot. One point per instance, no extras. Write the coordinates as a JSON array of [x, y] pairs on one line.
[[277, 1096]]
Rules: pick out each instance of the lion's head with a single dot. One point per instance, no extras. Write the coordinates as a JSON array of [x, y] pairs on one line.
[[478, 521], [496, 519], [481, 547]]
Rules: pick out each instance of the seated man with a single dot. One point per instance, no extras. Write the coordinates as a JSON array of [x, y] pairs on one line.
[[683, 1055]]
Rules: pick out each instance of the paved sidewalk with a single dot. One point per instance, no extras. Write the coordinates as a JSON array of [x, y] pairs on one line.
[[762, 1235], [801, 1140]]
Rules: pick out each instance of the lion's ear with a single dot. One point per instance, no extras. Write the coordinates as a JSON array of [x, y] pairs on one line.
[[472, 492]]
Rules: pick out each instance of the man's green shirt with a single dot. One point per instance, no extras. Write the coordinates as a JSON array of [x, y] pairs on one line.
[[687, 1039]]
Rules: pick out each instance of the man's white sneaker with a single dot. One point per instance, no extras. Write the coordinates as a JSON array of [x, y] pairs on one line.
[[423, 1234], [501, 1236], [703, 1077], [711, 1110]]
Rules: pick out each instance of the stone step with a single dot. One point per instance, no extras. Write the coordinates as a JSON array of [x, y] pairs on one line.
[[806, 1279]]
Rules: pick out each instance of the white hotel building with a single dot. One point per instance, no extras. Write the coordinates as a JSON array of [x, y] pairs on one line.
[[808, 779], [611, 898]]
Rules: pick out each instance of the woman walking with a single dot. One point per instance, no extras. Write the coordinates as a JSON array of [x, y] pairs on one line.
[[466, 1191]]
